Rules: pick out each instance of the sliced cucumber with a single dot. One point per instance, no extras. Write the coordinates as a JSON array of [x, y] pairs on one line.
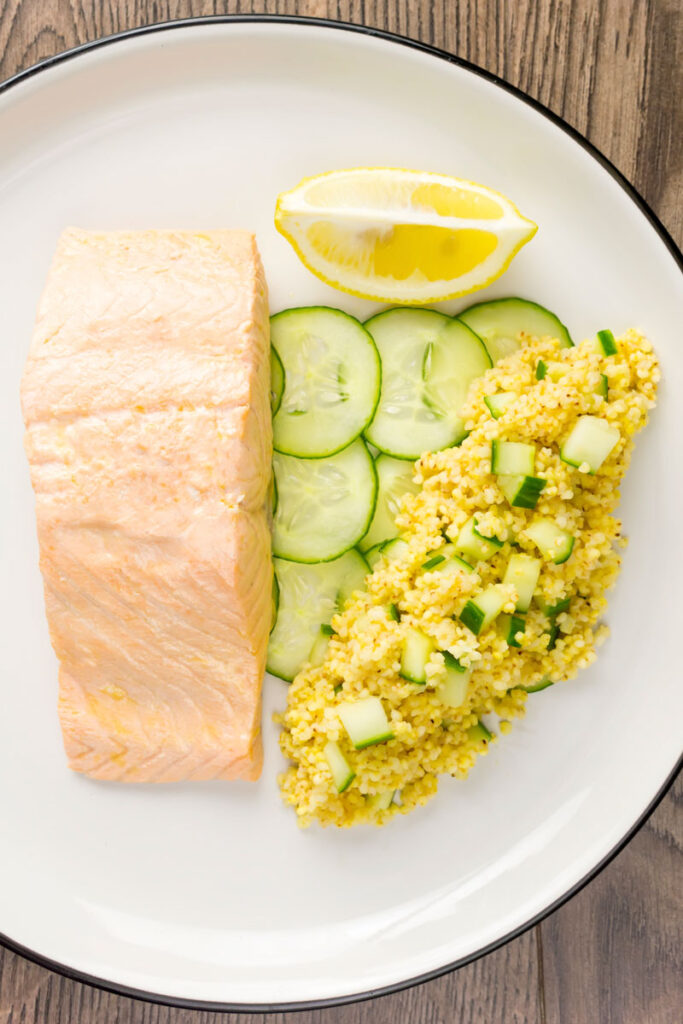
[[332, 380], [473, 546], [416, 652], [318, 651], [497, 404], [554, 543], [499, 322], [510, 626], [590, 441], [508, 457], [342, 772], [309, 595], [365, 722], [325, 505], [396, 548], [428, 363], [394, 480], [453, 689], [373, 554], [275, 602], [277, 381], [522, 491], [522, 573], [479, 612]]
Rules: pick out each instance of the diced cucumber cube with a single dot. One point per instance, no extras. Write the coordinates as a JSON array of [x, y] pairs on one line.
[[523, 572], [554, 543], [555, 371], [537, 687], [479, 733], [552, 609], [497, 404], [365, 722], [319, 648], [393, 613], [541, 369], [433, 561], [342, 772], [590, 441], [604, 342], [474, 546], [512, 457], [552, 635], [417, 650], [521, 491], [453, 689], [510, 626], [603, 387], [381, 801], [479, 612]]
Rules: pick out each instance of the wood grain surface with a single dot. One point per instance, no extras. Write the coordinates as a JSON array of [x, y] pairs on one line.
[[612, 69]]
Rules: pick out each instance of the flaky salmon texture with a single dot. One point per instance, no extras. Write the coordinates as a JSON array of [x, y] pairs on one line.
[[148, 434]]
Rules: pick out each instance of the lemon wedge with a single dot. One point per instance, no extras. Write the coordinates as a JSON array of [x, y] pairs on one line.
[[401, 236]]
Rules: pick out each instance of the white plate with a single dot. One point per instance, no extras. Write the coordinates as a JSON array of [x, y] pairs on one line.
[[209, 892]]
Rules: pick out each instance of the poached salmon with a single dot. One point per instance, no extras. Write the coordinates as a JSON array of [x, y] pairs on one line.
[[148, 434]]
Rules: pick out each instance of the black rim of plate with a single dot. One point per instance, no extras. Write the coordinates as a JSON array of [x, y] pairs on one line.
[[199, 1004]]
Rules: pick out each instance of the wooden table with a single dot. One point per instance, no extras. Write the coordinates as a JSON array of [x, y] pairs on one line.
[[613, 954]]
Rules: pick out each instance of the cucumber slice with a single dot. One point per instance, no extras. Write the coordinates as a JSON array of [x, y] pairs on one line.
[[275, 602], [325, 505], [277, 381], [342, 772], [523, 572], [318, 651], [522, 491], [510, 626], [508, 457], [416, 652], [396, 548], [479, 733], [373, 554], [394, 479], [590, 441], [497, 404], [428, 363], [365, 722], [453, 689], [499, 322], [332, 380], [480, 612], [554, 543], [309, 595], [473, 546]]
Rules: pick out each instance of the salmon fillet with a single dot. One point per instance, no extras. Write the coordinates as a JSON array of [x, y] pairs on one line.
[[148, 434]]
